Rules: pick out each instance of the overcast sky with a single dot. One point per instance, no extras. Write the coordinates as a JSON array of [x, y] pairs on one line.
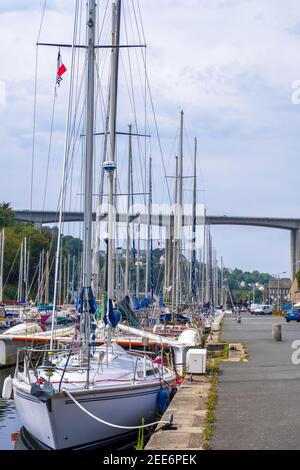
[[229, 64]]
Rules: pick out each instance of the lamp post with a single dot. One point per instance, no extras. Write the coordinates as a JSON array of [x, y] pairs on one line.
[[242, 285]]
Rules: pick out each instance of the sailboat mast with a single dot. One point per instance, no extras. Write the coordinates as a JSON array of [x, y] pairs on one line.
[[222, 284], [88, 186], [47, 279], [147, 290], [110, 165], [20, 283], [193, 270], [128, 208], [179, 220], [175, 241], [138, 259]]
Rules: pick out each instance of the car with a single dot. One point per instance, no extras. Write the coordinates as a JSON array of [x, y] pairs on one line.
[[263, 310], [293, 315], [253, 307]]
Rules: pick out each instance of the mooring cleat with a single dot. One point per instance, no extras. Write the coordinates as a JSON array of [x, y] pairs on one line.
[[170, 426]]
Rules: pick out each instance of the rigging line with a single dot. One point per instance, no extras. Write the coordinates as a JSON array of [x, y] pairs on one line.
[[73, 134], [199, 165], [134, 104], [32, 281], [158, 138], [73, 142], [103, 22], [153, 111], [100, 93], [34, 114], [35, 105], [49, 149], [11, 267], [136, 21], [141, 20], [145, 68], [79, 92], [63, 175], [79, 84], [143, 86]]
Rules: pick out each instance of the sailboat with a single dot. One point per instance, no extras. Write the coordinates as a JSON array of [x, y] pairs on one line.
[[90, 396]]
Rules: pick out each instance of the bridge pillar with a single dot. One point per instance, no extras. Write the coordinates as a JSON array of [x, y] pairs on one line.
[[295, 252]]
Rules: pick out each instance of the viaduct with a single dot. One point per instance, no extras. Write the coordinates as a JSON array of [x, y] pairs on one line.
[[291, 224]]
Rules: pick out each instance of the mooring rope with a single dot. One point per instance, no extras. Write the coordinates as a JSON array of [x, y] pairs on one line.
[[106, 422]]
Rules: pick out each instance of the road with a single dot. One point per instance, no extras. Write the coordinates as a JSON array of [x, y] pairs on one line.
[[259, 400]]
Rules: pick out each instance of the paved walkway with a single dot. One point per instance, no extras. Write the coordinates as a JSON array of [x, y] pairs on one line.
[[259, 400]]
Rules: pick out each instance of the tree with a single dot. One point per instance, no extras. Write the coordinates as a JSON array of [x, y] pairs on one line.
[[6, 215]]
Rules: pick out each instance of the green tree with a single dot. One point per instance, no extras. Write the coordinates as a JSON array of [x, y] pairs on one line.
[[6, 215]]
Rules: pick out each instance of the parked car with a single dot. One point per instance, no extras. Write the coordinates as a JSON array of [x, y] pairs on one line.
[[293, 315], [263, 310], [253, 307]]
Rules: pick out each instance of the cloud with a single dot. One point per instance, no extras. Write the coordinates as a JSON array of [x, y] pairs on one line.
[[228, 64]]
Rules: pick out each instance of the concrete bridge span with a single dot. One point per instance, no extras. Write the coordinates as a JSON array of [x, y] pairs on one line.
[[291, 224]]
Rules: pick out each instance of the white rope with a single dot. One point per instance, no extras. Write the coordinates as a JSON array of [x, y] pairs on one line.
[[106, 422]]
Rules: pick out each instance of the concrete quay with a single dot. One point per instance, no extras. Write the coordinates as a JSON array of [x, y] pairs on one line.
[[189, 409], [259, 401]]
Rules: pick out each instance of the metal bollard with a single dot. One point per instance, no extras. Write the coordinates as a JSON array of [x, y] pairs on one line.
[[276, 333]]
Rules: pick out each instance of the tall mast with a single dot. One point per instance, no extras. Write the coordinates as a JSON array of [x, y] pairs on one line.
[[128, 208], [222, 283], [175, 242], [133, 233], [47, 279], [138, 259], [96, 252], [25, 269], [110, 165], [193, 270], [207, 265], [89, 152], [203, 270], [179, 218], [147, 290], [20, 283], [88, 187]]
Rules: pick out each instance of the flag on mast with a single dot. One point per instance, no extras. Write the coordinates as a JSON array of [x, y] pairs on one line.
[[61, 69]]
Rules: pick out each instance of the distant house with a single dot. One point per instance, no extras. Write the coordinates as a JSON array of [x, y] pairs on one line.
[[277, 291]]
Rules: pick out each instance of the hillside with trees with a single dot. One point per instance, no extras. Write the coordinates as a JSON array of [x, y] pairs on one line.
[[38, 241]]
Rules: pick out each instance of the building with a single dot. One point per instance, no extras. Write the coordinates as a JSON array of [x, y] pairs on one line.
[[278, 291], [295, 292]]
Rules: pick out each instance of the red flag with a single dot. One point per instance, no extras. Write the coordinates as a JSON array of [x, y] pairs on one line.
[[61, 69]]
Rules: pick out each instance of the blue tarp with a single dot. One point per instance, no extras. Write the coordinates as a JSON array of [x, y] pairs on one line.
[[145, 302], [136, 303]]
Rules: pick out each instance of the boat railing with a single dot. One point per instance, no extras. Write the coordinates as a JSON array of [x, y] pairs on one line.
[[33, 360]]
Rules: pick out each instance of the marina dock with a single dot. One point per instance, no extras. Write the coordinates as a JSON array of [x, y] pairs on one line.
[[189, 410]]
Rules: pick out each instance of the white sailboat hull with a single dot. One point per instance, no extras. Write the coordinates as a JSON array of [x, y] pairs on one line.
[[63, 425]]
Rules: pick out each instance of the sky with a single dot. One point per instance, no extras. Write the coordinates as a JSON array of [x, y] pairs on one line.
[[229, 64]]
